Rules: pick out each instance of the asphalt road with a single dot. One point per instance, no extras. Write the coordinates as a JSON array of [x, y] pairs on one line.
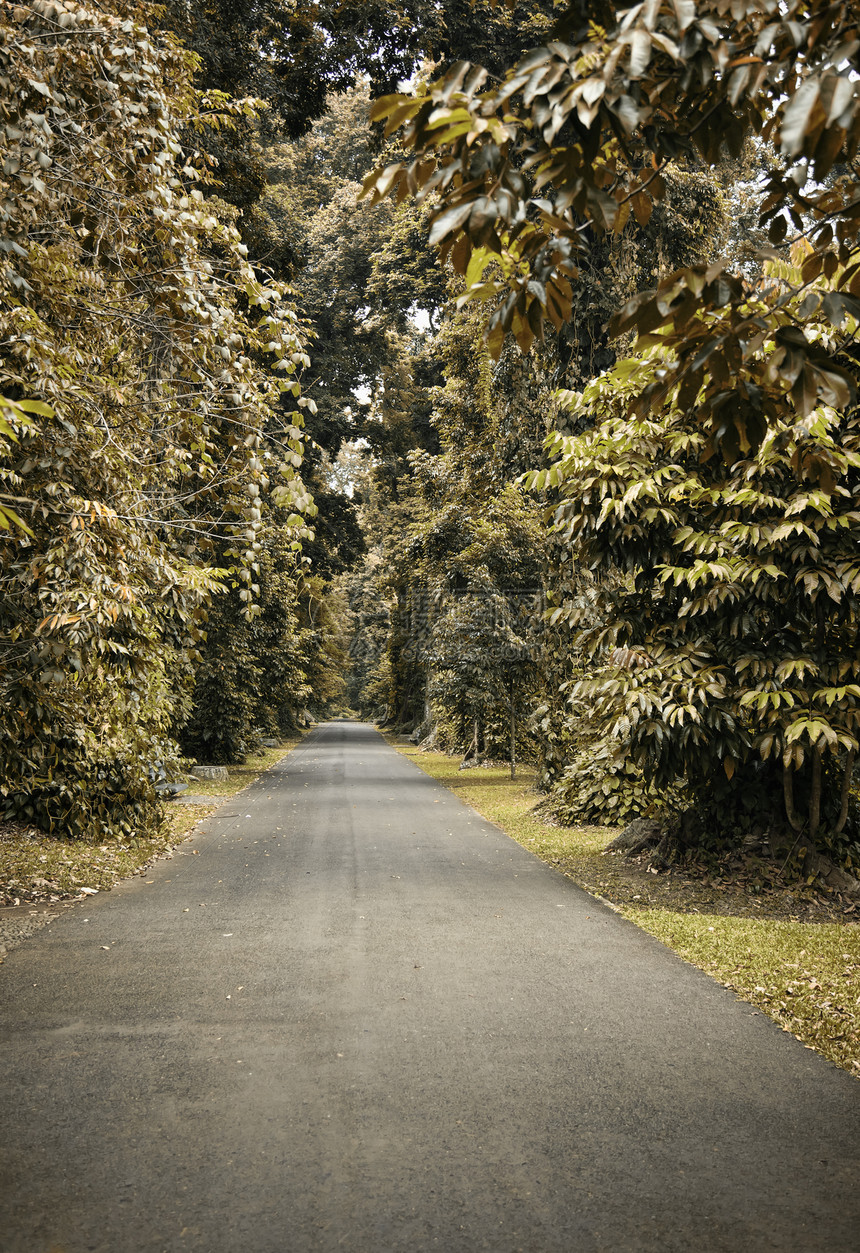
[[355, 1016]]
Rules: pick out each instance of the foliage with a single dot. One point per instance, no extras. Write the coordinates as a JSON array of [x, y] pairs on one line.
[[731, 636], [324, 620], [221, 727], [466, 571], [492, 418], [599, 785], [481, 652], [579, 138], [358, 271], [368, 678], [133, 328], [469, 608], [295, 55], [248, 675]]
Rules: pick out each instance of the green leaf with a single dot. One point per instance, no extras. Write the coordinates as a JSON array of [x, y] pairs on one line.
[[797, 117]]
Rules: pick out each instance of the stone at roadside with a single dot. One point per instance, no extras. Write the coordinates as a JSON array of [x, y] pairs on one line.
[[830, 874], [209, 772], [638, 834], [269, 741], [170, 790]]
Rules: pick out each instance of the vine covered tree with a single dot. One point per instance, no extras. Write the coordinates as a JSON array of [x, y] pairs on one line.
[[132, 336]]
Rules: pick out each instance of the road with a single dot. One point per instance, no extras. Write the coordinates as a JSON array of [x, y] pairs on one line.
[[352, 1015]]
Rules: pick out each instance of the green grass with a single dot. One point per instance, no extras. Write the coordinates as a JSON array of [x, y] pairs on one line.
[[805, 976], [36, 867]]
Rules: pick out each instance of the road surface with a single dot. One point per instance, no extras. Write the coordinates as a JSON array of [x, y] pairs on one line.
[[352, 1015]]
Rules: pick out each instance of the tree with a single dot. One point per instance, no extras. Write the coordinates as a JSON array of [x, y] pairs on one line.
[[296, 55], [358, 272], [325, 620], [249, 673], [462, 554], [141, 426], [369, 677], [725, 650], [581, 134], [481, 656]]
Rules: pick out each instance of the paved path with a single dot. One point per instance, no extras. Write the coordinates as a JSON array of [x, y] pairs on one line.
[[362, 1019]]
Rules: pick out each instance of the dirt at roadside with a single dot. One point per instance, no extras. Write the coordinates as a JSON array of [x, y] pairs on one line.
[[745, 887], [19, 922]]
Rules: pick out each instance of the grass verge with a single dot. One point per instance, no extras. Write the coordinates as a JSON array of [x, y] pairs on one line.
[[804, 975], [35, 867]]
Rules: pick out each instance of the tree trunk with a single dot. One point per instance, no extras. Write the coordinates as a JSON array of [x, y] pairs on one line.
[[513, 735], [788, 793], [815, 794], [846, 792]]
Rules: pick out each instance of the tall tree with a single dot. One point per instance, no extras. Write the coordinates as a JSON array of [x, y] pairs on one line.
[[724, 648], [580, 135], [295, 55], [132, 332]]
